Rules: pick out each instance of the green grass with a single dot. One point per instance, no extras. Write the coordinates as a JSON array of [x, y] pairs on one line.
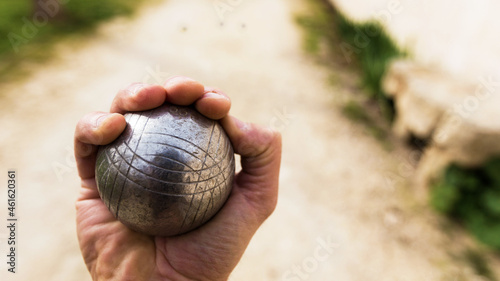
[[371, 46], [30, 38], [85, 14], [472, 197], [11, 14], [319, 26], [479, 263], [359, 114], [363, 44]]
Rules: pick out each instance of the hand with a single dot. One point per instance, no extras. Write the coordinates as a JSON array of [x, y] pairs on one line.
[[114, 252]]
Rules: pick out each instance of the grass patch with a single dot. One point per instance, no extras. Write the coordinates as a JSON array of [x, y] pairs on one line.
[[479, 263], [472, 197], [365, 45], [319, 26], [358, 113], [28, 32], [83, 15]]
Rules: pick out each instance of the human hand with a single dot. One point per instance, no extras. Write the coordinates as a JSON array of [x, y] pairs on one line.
[[114, 252]]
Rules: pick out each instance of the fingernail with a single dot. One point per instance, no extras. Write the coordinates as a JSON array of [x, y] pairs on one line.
[[176, 79], [136, 88], [215, 95], [99, 120]]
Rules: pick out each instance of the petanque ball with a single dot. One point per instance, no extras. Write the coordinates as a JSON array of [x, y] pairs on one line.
[[169, 172]]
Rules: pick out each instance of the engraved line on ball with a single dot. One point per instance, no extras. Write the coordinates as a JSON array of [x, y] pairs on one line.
[[128, 118], [130, 165], [221, 159], [192, 198], [193, 170], [116, 168], [114, 178], [220, 172], [161, 181], [166, 193], [185, 140], [187, 152], [211, 191]]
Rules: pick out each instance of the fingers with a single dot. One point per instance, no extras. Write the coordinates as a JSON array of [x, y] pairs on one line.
[[183, 91], [96, 128], [138, 97], [101, 128], [260, 150], [177, 90], [213, 104]]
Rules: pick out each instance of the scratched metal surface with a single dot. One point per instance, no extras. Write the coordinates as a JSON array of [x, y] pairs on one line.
[[169, 172]]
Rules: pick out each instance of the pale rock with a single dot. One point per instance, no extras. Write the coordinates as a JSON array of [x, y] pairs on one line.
[[459, 117]]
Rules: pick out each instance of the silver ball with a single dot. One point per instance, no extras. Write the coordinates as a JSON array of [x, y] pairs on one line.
[[169, 172]]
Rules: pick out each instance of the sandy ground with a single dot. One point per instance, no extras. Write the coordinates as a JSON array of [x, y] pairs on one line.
[[345, 210]]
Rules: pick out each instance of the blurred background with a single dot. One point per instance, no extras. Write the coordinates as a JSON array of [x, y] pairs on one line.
[[388, 110]]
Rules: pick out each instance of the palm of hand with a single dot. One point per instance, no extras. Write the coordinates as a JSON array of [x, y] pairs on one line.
[[197, 255]]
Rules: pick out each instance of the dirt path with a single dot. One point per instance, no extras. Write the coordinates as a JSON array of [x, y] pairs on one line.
[[338, 218]]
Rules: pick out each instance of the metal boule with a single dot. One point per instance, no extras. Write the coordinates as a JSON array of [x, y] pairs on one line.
[[169, 172]]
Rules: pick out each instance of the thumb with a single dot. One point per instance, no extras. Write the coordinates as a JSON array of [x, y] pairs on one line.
[[260, 150]]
